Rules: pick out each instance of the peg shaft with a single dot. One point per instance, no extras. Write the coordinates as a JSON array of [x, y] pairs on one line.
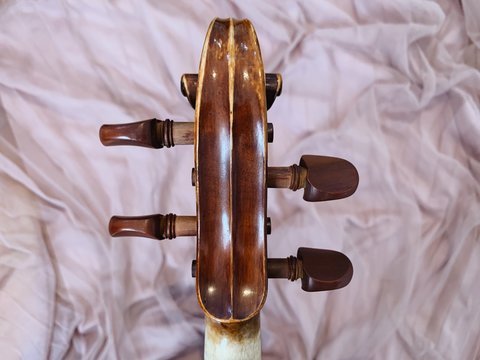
[[291, 177], [151, 133], [154, 133], [290, 268], [158, 226], [273, 87], [153, 226]]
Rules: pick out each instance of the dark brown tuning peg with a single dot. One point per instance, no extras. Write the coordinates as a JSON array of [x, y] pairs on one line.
[[273, 87], [148, 133], [153, 226], [320, 270], [322, 177]]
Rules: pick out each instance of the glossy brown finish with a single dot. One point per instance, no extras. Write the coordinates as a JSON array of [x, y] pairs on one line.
[[273, 85], [231, 136], [320, 270], [269, 226], [273, 88], [328, 178], [270, 132], [324, 270], [249, 168], [323, 177], [154, 133], [148, 133], [188, 87], [213, 184], [153, 226], [231, 95]]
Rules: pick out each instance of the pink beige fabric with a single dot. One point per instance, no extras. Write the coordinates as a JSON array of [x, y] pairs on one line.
[[392, 86]]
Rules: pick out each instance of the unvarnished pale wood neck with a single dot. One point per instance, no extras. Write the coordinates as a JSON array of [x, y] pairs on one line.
[[237, 341]]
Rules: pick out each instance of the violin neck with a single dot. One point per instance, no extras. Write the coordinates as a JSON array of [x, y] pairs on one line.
[[235, 341]]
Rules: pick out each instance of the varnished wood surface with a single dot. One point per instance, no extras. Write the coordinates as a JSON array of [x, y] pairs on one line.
[[151, 133], [231, 95], [324, 270], [319, 269], [231, 137], [291, 177], [154, 133], [156, 226], [188, 87], [273, 87], [322, 177], [328, 178]]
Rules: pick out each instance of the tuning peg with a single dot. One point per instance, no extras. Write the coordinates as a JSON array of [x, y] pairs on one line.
[[153, 226], [322, 177], [154, 133], [151, 133], [273, 87], [188, 87], [320, 270], [269, 226]]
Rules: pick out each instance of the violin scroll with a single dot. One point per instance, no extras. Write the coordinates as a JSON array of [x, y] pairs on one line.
[[230, 134]]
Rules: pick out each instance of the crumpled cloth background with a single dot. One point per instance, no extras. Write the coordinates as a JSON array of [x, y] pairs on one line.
[[392, 86]]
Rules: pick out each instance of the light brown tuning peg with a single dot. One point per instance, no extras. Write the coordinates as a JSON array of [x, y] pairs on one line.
[[273, 87], [153, 226], [151, 133], [322, 177], [154, 133], [320, 270]]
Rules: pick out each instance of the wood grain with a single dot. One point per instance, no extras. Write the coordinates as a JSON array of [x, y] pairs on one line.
[[231, 136], [322, 177], [273, 87], [156, 226], [328, 178], [151, 133]]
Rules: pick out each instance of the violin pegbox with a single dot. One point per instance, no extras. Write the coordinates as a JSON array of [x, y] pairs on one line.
[[273, 88], [230, 134], [322, 178]]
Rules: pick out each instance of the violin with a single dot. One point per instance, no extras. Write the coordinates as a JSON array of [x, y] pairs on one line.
[[230, 136]]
